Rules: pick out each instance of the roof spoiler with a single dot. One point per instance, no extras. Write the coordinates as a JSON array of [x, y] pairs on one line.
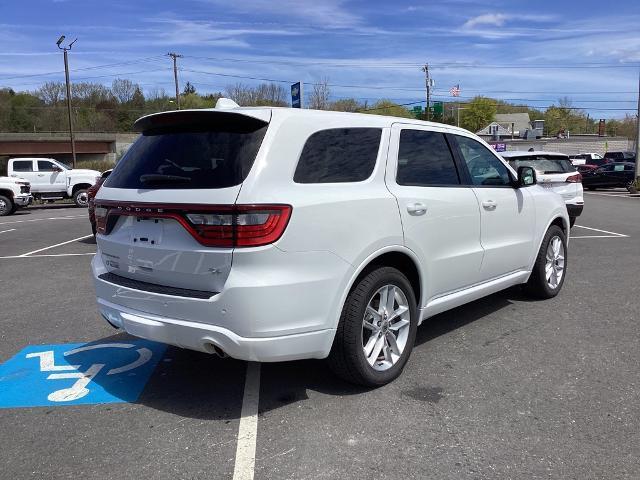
[[219, 117]]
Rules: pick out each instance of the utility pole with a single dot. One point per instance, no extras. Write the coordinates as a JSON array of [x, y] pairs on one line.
[[638, 136], [175, 56], [66, 76], [427, 84]]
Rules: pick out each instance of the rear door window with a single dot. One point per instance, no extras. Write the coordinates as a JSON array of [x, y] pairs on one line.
[[424, 159], [212, 151], [23, 166], [339, 155]]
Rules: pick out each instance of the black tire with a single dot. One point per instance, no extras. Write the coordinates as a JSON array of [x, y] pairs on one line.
[[537, 286], [347, 359], [80, 198], [94, 229], [572, 221], [6, 206]]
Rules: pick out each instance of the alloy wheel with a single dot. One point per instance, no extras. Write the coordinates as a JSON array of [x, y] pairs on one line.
[[554, 267], [385, 327]]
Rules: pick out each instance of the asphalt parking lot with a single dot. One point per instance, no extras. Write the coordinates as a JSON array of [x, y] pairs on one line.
[[504, 387]]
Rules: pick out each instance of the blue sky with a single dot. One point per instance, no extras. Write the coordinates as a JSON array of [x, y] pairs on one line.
[[532, 52]]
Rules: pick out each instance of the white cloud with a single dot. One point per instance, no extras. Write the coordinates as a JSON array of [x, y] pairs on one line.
[[499, 19]]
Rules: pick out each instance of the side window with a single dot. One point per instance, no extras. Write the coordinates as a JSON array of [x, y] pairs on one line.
[[484, 168], [23, 166], [45, 166], [629, 168], [339, 155], [424, 159]]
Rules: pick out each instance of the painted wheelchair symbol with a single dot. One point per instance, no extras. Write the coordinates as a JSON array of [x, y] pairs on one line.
[[79, 388]]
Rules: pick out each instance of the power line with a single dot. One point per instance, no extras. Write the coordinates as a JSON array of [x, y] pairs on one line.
[[95, 67]]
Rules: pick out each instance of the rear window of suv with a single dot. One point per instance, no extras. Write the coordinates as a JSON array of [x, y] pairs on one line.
[[198, 152], [338, 155], [544, 163]]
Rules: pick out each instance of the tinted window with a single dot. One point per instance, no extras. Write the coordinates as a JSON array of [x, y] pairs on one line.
[[23, 166], [484, 167], [45, 166], [338, 155], [424, 159], [544, 163], [209, 154]]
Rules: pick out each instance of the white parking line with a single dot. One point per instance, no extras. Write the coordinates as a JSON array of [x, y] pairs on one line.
[[618, 195], [10, 230], [248, 429], [50, 255], [43, 219], [601, 231], [56, 245]]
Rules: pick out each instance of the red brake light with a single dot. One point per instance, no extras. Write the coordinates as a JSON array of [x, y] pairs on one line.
[[210, 225], [577, 178]]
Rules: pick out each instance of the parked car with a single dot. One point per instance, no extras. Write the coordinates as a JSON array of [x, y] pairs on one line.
[[91, 194], [619, 157], [555, 172], [53, 180], [14, 193], [273, 234], [585, 158], [612, 175]]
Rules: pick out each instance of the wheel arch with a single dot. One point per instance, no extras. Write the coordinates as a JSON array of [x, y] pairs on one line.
[[5, 192], [560, 221], [79, 186], [397, 256]]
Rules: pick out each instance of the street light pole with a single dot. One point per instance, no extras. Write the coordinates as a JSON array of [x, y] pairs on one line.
[[638, 136], [68, 83]]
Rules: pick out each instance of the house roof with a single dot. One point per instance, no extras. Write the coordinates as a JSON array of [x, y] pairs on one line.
[[501, 130], [521, 120]]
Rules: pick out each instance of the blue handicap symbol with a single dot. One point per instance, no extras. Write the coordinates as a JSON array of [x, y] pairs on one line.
[[78, 373]]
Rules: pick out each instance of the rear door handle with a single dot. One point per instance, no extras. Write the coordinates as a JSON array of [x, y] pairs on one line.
[[489, 205], [417, 209]]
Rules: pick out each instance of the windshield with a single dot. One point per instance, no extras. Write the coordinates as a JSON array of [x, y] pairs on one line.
[[544, 163], [64, 165], [192, 156]]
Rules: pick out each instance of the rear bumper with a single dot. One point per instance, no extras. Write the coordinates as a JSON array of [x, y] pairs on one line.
[[274, 306], [203, 337], [574, 210]]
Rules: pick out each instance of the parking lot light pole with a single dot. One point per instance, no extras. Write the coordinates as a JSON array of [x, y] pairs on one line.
[[638, 135], [66, 76]]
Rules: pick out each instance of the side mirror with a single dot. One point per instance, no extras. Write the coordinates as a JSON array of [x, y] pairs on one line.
[[526, 177]]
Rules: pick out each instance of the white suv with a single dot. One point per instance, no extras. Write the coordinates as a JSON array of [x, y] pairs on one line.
[[555, 172], [273, 234]]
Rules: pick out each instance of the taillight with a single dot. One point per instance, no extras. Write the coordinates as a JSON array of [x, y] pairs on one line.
[[212, 226], [577, 178], [101, 219]]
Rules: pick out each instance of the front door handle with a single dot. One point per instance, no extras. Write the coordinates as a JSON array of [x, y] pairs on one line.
[[41, 174], [489, 205], [417, 209]]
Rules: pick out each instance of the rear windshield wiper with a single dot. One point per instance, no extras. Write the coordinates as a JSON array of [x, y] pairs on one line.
[[159, 179]]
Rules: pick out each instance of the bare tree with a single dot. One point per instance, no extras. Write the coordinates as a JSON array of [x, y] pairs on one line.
[[271, 94], [241, 94], [51, 93], [91, 93], [123, 89], [156, 93], [319, 98]]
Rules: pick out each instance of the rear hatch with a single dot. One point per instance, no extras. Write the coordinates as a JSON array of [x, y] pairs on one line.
[[166, 215], [554, 172]]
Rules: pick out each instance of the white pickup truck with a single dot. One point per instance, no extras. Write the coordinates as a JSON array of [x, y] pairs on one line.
[[53, 180], [14, 193]]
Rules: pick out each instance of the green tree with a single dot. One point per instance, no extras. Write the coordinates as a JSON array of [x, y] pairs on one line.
[[188, 89], [387, 107], [480, 112]]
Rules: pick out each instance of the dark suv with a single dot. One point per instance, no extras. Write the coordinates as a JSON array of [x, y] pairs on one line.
[[619, 157]]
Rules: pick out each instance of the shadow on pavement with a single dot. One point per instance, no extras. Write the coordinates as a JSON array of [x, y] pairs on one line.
[[198, 385]]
